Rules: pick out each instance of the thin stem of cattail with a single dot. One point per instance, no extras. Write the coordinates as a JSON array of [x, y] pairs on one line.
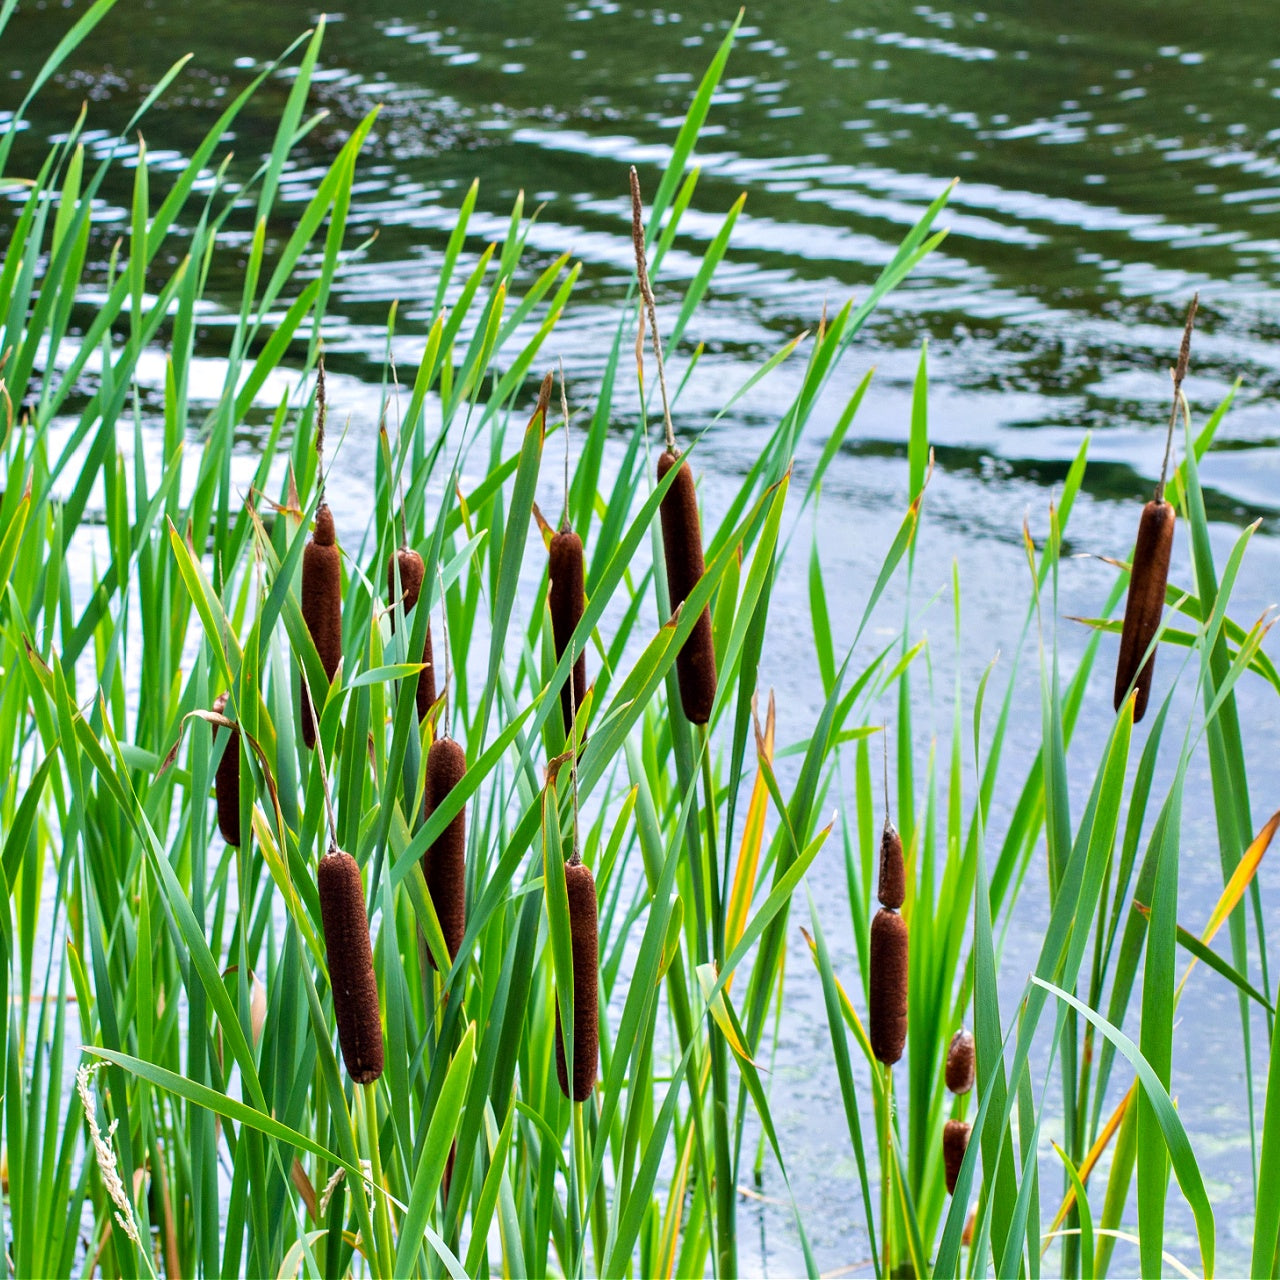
[[564, 409], [646, 296], [1179, 373], [444, 629], [324, 773], [321, 411]]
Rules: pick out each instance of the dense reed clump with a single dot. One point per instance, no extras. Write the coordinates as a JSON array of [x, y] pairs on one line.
[[350, 959], [321, 605], [411, 575], [959, 1072], [566, 597], [444, 865], [682, 553], [955, 1141], [226, 782], [1149, 575], [584, 932]]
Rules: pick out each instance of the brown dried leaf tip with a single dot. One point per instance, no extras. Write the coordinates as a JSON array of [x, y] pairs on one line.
[[584, 932], [893, 873], [226, 782], [321, 605], [566, 597], [444, 865], [887, 1006], [955, 1141], [959, 1073], [350, 958], [682, 550], [1142, 610], [411, 575]]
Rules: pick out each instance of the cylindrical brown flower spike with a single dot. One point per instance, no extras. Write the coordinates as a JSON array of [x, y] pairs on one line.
[[959, 1074], [350, 958], [893, 872], [955, 1141], [566, 597], [226, 782], [887, 1011], [682, 550], [444, 865], [584, 931], [1146, 601], [411, 574], [321, 605]]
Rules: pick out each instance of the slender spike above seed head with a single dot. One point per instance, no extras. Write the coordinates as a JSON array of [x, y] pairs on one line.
[[682, 552], [1147, 582], [893, 872], [887, 966], [226, 782], [959, 1074], [566, 597], [444, 865], [321, 605], [955, 1141], [584, 933], [350, 959]]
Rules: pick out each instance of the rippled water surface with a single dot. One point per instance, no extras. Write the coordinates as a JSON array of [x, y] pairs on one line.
[[1112, 158]]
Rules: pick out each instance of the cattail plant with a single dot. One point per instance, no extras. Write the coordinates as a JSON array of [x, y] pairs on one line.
[[566, 591], [321, 582], [350, 959], [1150, 573], [444, 865], [955, 1141], [959, 1071], [887, 961], [681, 526], [580, 885], [226, 781], [411, 570]]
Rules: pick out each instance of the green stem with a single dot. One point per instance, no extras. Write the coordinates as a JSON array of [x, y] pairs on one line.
[[886, 1175], [367, 1107]]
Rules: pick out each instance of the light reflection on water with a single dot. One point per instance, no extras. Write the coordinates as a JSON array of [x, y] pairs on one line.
[[1112, 158]]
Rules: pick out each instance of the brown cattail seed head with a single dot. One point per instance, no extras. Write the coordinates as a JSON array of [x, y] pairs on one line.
[[584, 932], [350, 957], [1142, 610], [226, 782], [960, 1062], [893, 872], [567, 599], [411, 575], [955, 1141], [444, 865], [888, 986], [321, 605], [682, 550]]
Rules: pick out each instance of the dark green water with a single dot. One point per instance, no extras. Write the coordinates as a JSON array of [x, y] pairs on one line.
[[1112, 157]]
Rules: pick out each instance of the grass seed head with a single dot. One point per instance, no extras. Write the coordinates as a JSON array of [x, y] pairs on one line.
[[444, 865], [226, 782], [887, 1012], [955, 1141], [893, 872], [321, 604], [350, 958], [682, 550], [584, 932], [960, 1062], [567, 599], [1142, 610]]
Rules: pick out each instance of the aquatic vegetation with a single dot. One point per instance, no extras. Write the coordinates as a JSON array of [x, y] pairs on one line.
[[512, 894]]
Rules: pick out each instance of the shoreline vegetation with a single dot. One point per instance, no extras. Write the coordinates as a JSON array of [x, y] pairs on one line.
[[395, 919]]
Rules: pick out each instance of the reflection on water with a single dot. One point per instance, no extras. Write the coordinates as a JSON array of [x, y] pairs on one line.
[[1112, 158]]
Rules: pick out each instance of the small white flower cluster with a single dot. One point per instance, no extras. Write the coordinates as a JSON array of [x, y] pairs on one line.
[[106, 1154]]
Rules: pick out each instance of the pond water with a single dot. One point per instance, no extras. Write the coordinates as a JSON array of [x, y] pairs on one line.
[[1112, 159]]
